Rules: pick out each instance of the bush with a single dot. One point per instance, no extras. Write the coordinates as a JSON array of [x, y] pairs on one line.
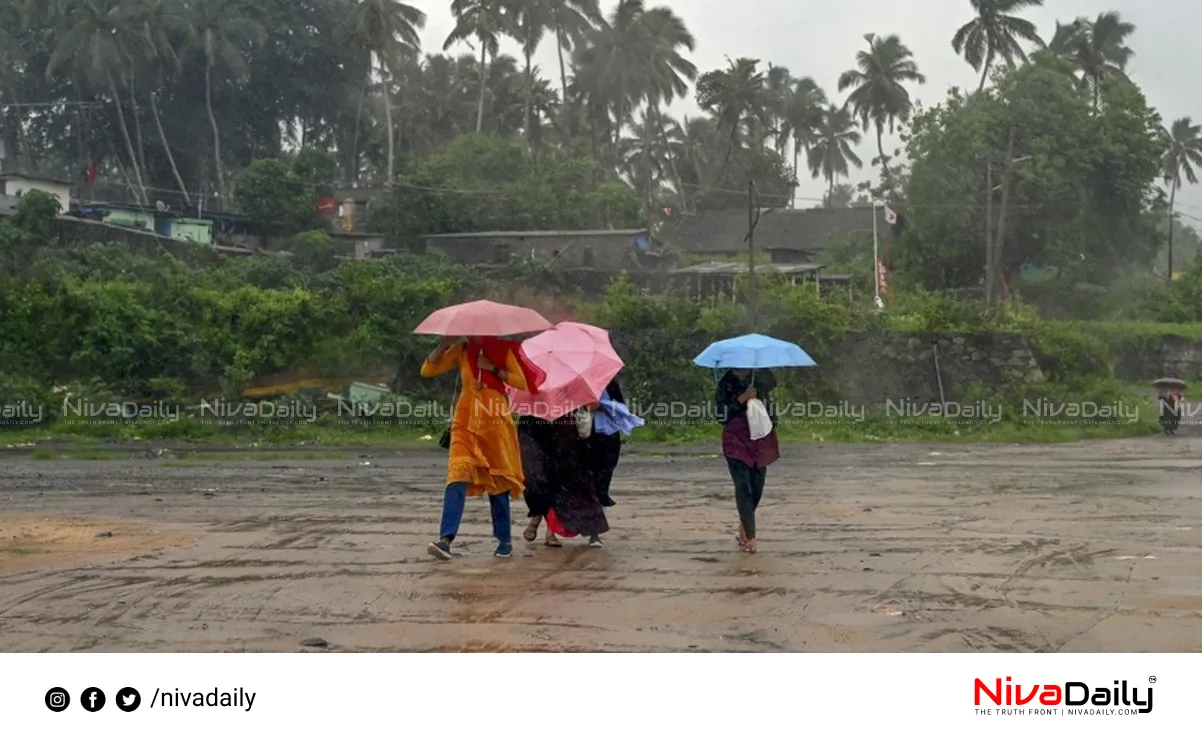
[[314, 251], [276, 199]]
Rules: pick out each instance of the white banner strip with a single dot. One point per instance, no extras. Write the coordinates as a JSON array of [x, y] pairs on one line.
[[496, 698]]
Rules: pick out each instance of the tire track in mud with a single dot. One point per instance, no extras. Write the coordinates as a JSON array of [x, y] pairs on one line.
[[1009, 549]]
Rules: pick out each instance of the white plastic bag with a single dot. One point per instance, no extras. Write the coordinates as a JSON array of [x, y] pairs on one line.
[[584, 422], [758, 420]]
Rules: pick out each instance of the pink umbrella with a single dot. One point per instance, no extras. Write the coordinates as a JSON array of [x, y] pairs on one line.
[[579, 362], [482, 318]]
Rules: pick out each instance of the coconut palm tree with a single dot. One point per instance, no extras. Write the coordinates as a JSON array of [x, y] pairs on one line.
[[572, 20], [878, 86], [778, 87], [485, 21], [635, 55], [222, 33], [1065, 38], [832, 150], [88, 42], [1097, 47], [735, 97], [995, 33], [151, 26], [388, 31], [644, 156], [840, 197], [803, 112], [1183, 155]]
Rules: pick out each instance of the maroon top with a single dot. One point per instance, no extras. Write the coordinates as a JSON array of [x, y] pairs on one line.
[[737, 444]]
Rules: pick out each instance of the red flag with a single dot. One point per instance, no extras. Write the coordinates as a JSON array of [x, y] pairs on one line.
[[92, 169]]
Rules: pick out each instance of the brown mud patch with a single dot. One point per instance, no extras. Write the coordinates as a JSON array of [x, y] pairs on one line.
[[37, 543]]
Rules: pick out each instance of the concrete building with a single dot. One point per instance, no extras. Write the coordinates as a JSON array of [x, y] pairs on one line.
[[604, 250], [791, 236], [17, 185]]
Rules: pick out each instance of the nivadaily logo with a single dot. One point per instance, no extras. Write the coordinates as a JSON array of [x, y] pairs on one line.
[[1069, 698]]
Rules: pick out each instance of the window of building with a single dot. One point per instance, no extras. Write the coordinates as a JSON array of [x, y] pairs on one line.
[[502, 254], [586, 258]]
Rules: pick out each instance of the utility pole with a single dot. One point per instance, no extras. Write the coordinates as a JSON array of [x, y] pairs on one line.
[[1171, 218], [988, 228], [996, 254], [752, 218]]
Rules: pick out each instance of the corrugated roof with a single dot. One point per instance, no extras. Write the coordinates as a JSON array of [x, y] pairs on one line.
[[28, 177], [795, 229], [551, 233], [737, 268]]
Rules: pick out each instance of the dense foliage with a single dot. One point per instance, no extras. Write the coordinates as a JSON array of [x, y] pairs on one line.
[[1081, 202], [266, 104]]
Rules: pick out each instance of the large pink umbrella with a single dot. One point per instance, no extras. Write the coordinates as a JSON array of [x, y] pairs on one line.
[[579, 362], [482, 318]]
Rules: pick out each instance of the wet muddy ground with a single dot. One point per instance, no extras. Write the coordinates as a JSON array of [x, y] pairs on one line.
[[1086, 547]]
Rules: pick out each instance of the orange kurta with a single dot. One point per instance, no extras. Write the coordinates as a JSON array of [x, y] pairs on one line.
[[484, 441]]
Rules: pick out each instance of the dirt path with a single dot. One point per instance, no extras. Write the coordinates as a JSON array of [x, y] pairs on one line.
[[1090, 547]]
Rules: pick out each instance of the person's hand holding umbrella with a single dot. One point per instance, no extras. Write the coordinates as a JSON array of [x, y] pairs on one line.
[[483, 363], [443, 346], [748, 395]]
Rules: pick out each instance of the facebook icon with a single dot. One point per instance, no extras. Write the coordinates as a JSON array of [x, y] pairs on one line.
[[92, 699]]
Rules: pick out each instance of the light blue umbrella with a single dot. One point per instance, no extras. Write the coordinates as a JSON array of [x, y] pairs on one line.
[[753, 351]]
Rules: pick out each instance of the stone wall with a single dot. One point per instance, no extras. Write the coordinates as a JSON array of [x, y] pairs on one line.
[[869, 368], [1148, 359]]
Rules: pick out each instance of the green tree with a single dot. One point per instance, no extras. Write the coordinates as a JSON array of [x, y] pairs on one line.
[[223, 32], [996, 32], [832, 154], [635, 55], [1183, 155], [89, 42], [878, 86], [1083, 193], [801, 119], [274, 197], [1098, 48], [388, 31], [486, 22], [737, 99]]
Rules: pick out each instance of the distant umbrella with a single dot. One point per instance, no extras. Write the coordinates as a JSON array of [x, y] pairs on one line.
[[1170, 382]]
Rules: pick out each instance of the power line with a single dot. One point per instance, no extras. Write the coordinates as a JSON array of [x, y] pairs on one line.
[[49, 104]]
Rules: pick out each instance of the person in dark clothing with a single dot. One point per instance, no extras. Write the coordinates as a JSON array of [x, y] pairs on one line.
[[605, 449], [746, 459], [559, 480], [1169, 402]]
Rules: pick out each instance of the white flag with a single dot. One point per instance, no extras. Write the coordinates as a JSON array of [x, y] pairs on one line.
[[890, 216]]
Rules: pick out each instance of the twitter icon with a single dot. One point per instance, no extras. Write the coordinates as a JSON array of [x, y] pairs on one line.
[[128, 699]]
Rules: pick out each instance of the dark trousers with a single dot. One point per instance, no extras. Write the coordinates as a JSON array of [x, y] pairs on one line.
[[749, 488], [605, 451]]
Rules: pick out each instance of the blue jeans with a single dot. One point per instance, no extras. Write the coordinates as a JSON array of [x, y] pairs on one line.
[[455, 500]]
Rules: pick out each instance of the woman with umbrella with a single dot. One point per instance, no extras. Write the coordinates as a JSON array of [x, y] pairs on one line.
[[556, 427], [559, 480], [747, 459], [748, 379], [484, 457]]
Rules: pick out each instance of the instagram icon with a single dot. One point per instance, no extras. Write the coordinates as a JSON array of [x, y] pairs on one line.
[[57, 699]]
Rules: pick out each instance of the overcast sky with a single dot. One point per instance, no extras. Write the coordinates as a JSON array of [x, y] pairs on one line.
[[820, 40]]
